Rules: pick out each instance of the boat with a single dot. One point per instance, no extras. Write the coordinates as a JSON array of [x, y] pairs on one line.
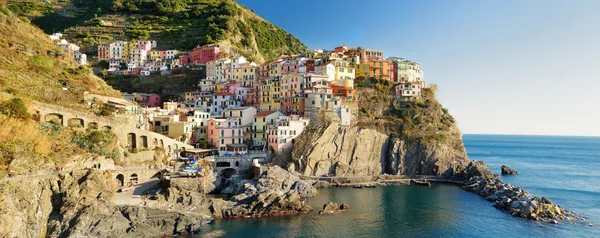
[[391, 184], [357, 186], [370, 186]]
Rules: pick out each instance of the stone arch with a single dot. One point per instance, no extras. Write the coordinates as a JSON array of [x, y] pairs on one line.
[[169, 149], [54, 118], [162, 144], [133, 179], [227, 173], [155, 142], [93, 125], [106, 128], [131, 141], [144, 141], [121, 179], [75, 122], [237, 163]]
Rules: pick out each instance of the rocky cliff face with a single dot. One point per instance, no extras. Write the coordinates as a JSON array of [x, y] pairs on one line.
[[386, 136], [351, 151]]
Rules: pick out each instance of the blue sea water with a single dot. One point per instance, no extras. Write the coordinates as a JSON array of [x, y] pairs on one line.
[[564, 169]]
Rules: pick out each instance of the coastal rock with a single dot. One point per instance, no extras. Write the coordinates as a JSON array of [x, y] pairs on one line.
[[275, 192], [518, 202], [473, 169], [331, 207], [508, 171], [335, 150]]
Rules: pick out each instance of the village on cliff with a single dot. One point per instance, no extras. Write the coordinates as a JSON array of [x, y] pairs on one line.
[[243, 107]]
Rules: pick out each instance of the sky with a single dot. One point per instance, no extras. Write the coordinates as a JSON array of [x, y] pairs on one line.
[[521, 67]]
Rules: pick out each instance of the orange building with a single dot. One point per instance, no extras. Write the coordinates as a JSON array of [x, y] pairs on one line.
[[379, 69]]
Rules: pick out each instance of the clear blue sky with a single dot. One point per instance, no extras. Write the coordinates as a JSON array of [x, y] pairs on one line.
[[503, 67]]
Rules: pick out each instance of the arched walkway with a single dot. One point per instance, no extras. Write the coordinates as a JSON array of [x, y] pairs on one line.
[[75, 122], [54, 118], [155, 142], [106, 128], [144, 141], [93, 125], [162, 144], [121, 180], [131, 141], [133, 179]]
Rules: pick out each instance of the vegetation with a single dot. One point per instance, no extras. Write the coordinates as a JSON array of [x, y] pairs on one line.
[[180, 24], [34, 69], [15, 108], [423, 121], [99, 142]]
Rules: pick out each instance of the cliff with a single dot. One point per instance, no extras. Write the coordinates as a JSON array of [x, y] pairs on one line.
[[386, 136]]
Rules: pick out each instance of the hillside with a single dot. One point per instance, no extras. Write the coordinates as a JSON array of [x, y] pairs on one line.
[[174, 24], [34, 69]]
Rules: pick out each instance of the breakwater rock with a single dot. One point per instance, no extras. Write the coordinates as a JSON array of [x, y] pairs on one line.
[[518, 202], [276, 192], [508, 171], [332, 207]]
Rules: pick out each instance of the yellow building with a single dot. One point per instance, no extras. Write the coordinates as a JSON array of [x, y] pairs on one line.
[[245, 75], [362, 70], [154, 54], [270, 94]]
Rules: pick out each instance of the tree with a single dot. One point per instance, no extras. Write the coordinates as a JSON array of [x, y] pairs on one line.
[[203, 144]]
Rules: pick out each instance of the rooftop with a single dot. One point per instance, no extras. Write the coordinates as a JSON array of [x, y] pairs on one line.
[[265, 113]]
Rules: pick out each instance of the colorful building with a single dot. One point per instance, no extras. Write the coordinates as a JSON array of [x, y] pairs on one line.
[[262, 121], [282, 134], [205, 53], [408, 91], [226, 135]]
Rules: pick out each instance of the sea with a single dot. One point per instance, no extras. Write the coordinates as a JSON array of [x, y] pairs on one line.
[[564, 169]]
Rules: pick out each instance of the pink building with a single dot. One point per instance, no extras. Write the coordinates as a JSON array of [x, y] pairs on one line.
[[147, 99], [231, 87], [288, 66], [144, 45], [205, 53], [184, 60], [226, 135], [282, 135], [408, 91]]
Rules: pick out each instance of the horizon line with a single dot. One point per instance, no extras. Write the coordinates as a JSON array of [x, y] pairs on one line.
[[500, 134]]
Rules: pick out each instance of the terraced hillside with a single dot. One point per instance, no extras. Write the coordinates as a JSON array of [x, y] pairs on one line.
[[180, 24]]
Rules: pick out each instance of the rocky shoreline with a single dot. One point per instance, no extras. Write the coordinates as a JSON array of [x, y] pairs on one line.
[[518, 202]]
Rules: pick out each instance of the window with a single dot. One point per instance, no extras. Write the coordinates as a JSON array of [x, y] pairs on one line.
[[222, 141]]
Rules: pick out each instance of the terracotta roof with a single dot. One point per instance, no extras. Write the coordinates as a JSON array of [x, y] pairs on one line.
[[265, 113]]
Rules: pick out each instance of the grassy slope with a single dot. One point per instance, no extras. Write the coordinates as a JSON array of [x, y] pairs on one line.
[[183, 27], [32, 69]]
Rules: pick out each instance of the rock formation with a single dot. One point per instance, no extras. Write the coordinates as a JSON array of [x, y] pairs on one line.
[[276, 192], [336, 150], [332, 207], [508, 171], [518, 202]]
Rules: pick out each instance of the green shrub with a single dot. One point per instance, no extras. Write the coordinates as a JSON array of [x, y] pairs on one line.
[[15, 108], [95, 141]]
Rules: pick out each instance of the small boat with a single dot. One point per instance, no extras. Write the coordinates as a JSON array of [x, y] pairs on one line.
[[370, 186], [357, 186], [391, 184], [382, 184]]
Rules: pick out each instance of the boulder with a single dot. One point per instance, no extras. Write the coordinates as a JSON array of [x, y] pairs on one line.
[[508, 171], [329, 208]]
